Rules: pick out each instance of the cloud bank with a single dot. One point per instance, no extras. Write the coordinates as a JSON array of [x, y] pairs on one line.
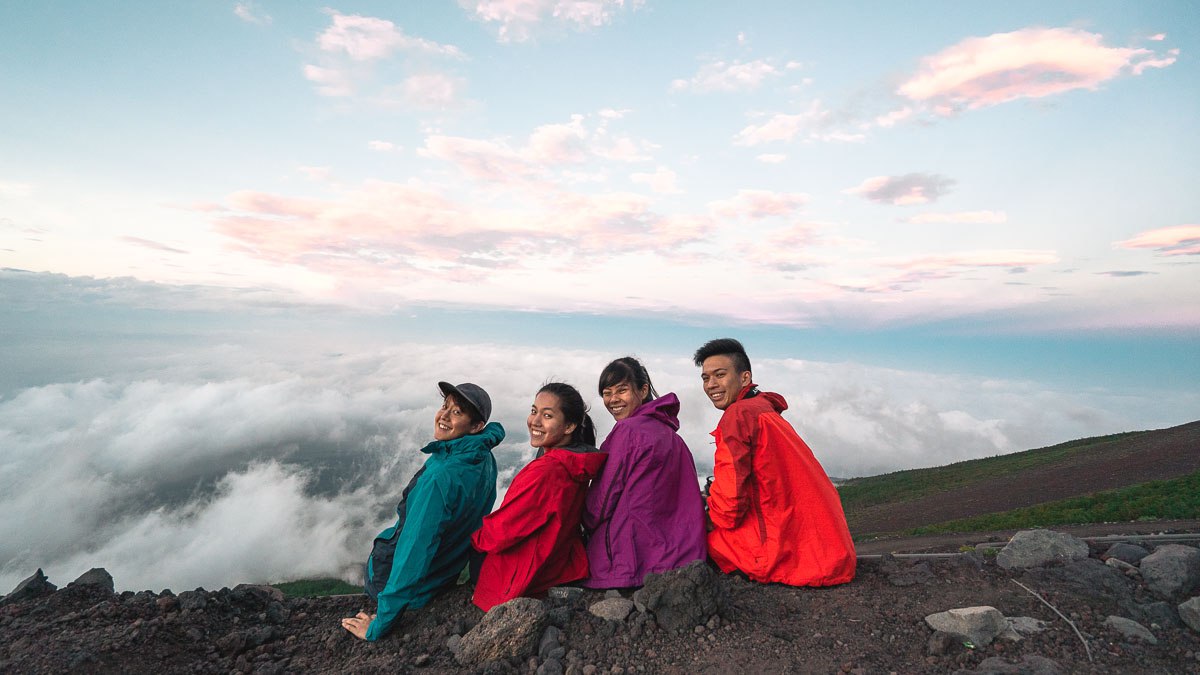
[[205, 466]]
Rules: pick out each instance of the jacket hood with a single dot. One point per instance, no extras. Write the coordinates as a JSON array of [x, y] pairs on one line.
[[582, 462], [471, 444], [665, 409]]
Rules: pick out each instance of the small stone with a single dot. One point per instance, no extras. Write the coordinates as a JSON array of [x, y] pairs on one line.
[[1189, 612], [612, 609], [589, 669], [612, 593], [980, 625], [564, 593], [421, 661], [1130, 629]]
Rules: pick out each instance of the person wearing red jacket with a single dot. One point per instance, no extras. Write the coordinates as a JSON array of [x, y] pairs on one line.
[[534, 540], [774, 514]]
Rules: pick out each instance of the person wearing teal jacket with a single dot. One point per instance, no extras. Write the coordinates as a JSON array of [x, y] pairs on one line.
[[430, 544]]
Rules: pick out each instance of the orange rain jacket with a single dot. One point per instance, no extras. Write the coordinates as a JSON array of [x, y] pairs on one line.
[[775, 514]]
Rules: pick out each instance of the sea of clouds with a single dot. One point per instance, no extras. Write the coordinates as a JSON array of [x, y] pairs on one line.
[[189, 436], [226, 464]]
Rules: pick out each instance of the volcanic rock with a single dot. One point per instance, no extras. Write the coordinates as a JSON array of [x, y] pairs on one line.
[[1172, 571], [682, 598], [1036, 548], [509, 630]]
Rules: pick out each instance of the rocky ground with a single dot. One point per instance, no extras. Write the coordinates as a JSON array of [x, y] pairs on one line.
[[876, 624]]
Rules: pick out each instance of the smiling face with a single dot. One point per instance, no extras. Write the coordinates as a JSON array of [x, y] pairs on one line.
[[548, 427], [453, 421], [721, 380], [622, 399]]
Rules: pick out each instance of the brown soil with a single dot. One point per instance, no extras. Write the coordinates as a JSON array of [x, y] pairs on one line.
[[1152, 455], [871, 625]]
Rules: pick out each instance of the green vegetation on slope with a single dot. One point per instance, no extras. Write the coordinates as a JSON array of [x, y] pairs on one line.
[[1174, 499], [312, 588], [858, 493]]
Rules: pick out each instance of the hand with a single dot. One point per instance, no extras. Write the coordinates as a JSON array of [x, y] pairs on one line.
[[357, 625]]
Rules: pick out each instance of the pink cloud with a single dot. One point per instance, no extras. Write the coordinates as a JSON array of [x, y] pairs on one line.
[[1167, 241], [963, 217], [723, 76], [1028, 63], [815, 124], [432, 91], [492, 161], [759, 204], [559, 143], [365, 38], [661, 181], [940, 264], [892, 118], [911, 188], [782, 126], [517, 20]]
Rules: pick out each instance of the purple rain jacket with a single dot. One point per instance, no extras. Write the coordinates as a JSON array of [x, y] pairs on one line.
[[644, 512]]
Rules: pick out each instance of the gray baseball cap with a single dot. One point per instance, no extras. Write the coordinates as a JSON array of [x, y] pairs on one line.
[[472, 394]]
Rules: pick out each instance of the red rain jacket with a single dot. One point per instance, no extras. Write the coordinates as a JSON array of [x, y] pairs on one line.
[[534, 540], [775, 514]]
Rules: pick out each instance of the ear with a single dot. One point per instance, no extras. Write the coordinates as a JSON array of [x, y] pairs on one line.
[[478, 427], [643, 392], [569, 429], [745, 378]]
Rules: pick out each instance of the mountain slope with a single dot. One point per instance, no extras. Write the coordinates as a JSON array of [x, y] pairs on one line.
[[907, 499]]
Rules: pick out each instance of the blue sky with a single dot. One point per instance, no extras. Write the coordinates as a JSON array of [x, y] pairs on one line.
[[944, 230]]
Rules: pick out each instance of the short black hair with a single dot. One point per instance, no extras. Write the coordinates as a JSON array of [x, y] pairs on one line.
[[469, 408], [626, 369], [724, 347]]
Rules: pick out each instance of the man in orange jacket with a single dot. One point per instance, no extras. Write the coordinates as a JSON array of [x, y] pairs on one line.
[[774, 513]]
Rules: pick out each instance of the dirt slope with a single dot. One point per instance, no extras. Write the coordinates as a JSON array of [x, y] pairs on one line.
[[1152, 455]]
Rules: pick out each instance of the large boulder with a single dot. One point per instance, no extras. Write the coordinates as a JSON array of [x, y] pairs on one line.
[[31, 587], [1036, 548], [1171, 571], [980, 625], [508, 631], [683, 598], [1189, 612], [97, 577]]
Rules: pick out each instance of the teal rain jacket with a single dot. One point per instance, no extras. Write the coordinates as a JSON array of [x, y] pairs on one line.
[[430, 543]]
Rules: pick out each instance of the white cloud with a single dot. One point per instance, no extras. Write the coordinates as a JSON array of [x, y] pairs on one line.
[[728, 76], [248, 12], [911, 188], [661, 181], [520, 20], [964, 217], [771, 158], [150, 471]]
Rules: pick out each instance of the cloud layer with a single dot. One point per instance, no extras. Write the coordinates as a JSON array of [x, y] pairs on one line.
[[151, 470]]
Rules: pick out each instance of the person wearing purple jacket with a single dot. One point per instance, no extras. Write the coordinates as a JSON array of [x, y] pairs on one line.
[[644, 512]]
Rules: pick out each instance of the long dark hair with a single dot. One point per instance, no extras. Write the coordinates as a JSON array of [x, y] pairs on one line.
[[627, 369], [574, 410]]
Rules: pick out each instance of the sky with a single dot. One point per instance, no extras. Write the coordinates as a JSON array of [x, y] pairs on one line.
[[240, 242]]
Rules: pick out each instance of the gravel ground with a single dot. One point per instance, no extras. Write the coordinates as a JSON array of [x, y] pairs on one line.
[[873, 625]]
